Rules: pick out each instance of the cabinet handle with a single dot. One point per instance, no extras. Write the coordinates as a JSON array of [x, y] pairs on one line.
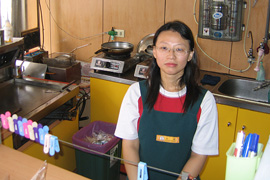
[[243, 127], [229, 123]]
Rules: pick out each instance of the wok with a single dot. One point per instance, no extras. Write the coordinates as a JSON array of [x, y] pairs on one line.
[[116, 48]]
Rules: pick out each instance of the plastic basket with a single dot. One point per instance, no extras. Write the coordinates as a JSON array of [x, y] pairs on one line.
[[78, 137], [91, 164], [242, 167]]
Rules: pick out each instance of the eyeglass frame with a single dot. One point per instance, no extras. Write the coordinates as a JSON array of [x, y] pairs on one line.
[[169, 50]]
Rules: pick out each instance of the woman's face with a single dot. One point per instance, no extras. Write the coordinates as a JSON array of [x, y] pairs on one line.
[[172, 53]]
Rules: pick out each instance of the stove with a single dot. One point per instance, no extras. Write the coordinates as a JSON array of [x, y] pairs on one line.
[[145, 49], [142, 67], [116, 63]]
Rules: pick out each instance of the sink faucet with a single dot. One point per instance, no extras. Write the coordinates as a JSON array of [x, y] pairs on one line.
[[261, 86], [250, 51], [19, 70]]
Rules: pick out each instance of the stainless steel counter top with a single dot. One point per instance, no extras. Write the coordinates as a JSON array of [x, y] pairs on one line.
[[233, 101], [11, 46], [29, 97], [33, 98], [128, 78]]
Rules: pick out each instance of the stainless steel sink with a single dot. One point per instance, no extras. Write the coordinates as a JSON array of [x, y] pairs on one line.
[[242, 88]]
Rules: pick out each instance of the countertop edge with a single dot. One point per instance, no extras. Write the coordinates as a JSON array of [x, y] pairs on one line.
[[41, 111], [242, 103], [18, 165], [110, 77], [220, 98]]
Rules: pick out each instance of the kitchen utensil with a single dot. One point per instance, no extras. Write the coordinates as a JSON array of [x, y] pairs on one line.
[[32, 69], [64, 72], [60, 60], [149, 49], [63, 67], [146, 45], [116, 48]]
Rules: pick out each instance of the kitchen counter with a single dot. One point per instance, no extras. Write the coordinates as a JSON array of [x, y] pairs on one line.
[[11, 46], [15, 165], [125, 78], [33, 98], [29, 97], [128, 78], [108, 90]]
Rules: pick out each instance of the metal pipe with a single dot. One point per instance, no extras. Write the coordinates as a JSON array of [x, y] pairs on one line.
[[267, 24]]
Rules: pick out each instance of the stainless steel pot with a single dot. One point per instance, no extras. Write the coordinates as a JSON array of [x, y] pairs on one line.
[[146, 45], [116, 48]]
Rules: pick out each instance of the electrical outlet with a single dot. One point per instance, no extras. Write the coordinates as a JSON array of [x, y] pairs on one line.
[[119, 33]]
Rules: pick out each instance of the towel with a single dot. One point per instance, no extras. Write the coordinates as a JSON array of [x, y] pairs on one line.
[[210, 80]]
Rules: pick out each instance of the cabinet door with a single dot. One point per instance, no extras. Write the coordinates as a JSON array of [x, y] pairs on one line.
[[66, 157], [106, 99], [215, 166], [254, 122], [7, 141]]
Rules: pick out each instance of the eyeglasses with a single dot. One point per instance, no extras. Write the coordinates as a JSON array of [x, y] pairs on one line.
[[179, 51]]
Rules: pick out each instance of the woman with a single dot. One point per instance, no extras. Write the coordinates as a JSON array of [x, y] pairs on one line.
[[168, 121]]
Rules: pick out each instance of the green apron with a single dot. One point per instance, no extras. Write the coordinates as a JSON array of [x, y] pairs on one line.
[[156, 124]]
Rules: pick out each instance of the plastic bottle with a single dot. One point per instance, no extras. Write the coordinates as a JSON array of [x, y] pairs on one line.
[[8, 32], [261, 73]]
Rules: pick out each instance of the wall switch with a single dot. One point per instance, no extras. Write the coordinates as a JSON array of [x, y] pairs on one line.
[[119, 33]]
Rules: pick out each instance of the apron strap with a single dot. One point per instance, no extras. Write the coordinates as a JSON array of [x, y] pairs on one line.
[[194, 109]]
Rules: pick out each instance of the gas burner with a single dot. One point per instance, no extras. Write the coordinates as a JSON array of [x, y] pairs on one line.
[[117, 56], [142, 68], [103, 63]]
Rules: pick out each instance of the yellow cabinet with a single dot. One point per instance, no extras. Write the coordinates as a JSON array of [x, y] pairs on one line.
[[216, 165], [106, 99], [7, 141], [231, 120], [66, 157], [254, 122]]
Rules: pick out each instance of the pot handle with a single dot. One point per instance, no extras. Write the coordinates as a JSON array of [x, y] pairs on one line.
[[100, 50]]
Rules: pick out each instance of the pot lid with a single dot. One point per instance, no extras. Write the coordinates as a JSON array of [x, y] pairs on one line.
[[146, 45]]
